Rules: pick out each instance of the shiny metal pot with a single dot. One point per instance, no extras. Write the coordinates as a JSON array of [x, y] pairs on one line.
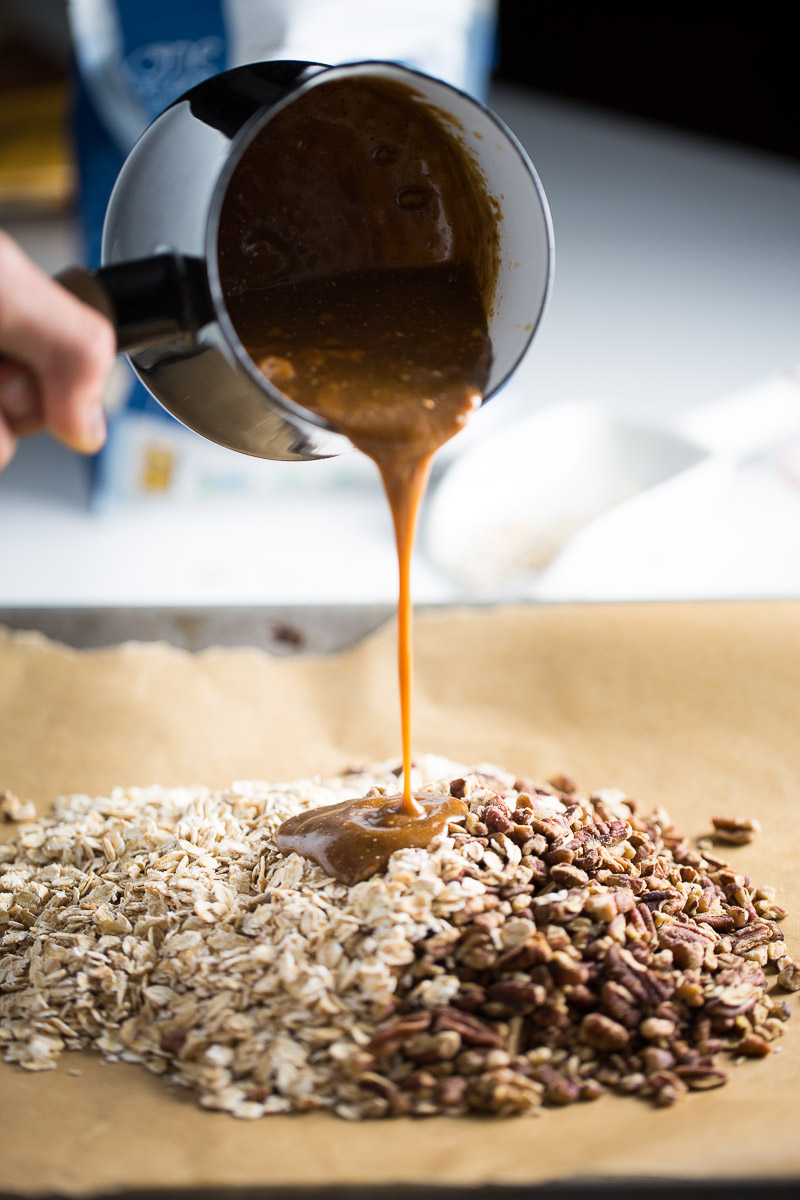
[[159, 282]]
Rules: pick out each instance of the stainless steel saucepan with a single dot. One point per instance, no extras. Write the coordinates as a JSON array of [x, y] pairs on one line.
[[159, 280]]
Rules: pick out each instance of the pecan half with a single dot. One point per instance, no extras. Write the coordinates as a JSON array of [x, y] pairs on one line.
[[391, 1037], [789, 977], [753, 1046], [518, 997], [646, 986], [735, 831], [701, 1078], [750, 935], [557, 1089], [472, 1030], [564, 783], [427, 1048], [620, 1005], [497, 819], [602, 1033], [667, 1088], [607, 833]]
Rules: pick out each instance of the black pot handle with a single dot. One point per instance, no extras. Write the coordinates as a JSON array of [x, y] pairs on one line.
[[149, 301]]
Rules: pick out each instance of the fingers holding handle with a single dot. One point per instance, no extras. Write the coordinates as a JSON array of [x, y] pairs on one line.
[[55, 354]]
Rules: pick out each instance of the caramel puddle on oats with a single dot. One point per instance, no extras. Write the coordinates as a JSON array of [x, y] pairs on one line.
[[357, 248], [356, 838]]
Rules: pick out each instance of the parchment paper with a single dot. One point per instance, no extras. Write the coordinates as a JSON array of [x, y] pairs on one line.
[[695, 707]]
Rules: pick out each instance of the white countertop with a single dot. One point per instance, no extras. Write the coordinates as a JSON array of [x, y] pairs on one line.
[[677, 280]]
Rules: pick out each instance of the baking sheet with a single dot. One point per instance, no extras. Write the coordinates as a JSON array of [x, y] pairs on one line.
[[691, 706]]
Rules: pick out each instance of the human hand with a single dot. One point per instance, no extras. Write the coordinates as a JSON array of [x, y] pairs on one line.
[[55, 355]]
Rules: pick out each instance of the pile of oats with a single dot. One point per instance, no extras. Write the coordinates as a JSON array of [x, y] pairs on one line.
[[555, 946]]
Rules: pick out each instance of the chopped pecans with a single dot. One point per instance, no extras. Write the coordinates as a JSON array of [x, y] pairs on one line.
[[556, 946]]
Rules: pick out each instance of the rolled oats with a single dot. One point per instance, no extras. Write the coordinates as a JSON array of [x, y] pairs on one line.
[[14, 809]]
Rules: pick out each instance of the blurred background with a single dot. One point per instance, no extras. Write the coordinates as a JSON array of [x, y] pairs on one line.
[[647, 448]]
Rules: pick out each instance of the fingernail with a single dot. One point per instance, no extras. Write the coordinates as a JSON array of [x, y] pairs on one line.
[[95, 431], [7, 446], [16, 398], [98, 426]]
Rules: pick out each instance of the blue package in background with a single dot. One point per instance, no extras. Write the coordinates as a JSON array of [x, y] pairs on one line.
[[134, 58]]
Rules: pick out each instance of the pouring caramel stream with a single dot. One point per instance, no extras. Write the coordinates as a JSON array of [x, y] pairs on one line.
[[357, 250]]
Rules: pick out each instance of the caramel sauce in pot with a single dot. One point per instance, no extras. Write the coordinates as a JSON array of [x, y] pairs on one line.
[[358, 254]]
